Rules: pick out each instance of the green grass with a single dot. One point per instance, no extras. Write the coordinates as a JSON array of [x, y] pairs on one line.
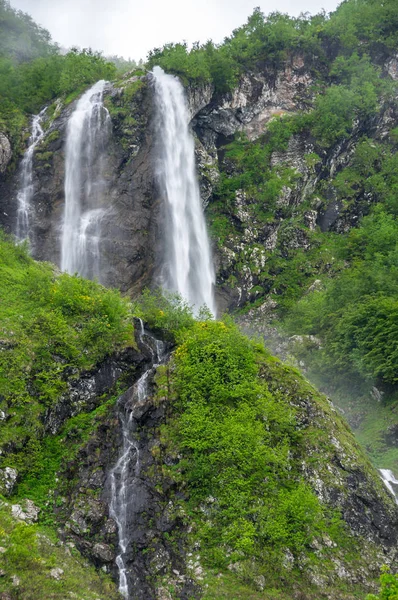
[[31, 552], [52, 327], [225, 586]]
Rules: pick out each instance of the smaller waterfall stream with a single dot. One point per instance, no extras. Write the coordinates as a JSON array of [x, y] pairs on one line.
[[390, 481], [87, 132], [26, 190], [128, 467]]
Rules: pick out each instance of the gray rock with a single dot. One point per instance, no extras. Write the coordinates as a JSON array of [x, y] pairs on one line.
[[28, 513], [392, 67], [103, 552], [8, 479], [310, 218], [56, 573], [5, 152]]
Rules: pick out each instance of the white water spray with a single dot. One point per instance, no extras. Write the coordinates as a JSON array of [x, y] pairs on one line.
[[189, 267], [390, 481], [26, 190], [128, 467], [87, 132]]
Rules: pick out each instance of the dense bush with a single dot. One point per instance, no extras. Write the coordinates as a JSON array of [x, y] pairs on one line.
[[389, 587], [357, 312]]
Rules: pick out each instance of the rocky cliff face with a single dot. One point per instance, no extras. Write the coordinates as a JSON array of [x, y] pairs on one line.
[[5, 152], [129, 232], [132, 231], [308, 198], [83, 506]]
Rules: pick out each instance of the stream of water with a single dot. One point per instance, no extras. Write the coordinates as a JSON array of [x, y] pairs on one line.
[[128, 467], [390, 481], [26, 189], [88, 130], [188, 267]]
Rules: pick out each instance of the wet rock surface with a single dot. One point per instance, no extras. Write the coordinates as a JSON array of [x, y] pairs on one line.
[[84, 392], [129, 230], [83, 508]]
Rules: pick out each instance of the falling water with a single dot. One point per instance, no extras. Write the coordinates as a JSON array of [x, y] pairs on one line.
[[88, 129], [128, 467], [26, 190], [189, 267], [390, 481]]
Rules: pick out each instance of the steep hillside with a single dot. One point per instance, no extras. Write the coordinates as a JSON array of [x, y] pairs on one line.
[[174, 457], [242, 464]]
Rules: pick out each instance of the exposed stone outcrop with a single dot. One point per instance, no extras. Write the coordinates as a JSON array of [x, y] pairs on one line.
[[5, 152], [84, 392], [257, 98]]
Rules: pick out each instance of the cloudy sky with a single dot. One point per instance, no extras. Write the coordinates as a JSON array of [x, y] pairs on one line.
[[131, 28]]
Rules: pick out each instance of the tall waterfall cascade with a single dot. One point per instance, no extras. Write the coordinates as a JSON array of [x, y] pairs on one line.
[[26, 189], [88, 130], [188, 267], [127, 469]]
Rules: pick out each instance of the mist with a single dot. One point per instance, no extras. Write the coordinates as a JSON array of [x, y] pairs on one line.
[[131, 29]]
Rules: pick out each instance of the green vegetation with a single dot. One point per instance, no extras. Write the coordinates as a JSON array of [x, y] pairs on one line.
[[236, 451], [236, 438], [52, 328], [356, 313], [48, 457], [33, 72], [366, 26], [31, 554], [389, 587]]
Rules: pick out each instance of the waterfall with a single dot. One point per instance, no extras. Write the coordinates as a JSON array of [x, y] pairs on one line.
[[189, 267], [390, 481], [127, 469], [26, 190], [87, 132]]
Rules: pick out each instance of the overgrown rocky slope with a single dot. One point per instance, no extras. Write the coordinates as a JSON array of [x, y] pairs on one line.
[[243, 464], [251, 484]]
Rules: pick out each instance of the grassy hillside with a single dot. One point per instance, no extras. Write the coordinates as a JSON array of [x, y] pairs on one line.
[[249, 441], [52, 327]]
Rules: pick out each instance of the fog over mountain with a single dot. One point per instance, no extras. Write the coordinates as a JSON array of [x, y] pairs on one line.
[[130, 28]]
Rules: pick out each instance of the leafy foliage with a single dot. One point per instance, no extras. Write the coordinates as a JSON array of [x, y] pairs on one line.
[[51, 327], [235, 440], [33, 72], [356, 313], [365, 26], [389, 587]]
